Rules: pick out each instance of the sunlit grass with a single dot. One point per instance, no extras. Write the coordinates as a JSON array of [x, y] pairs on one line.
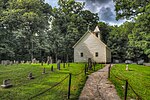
[[23, 88], [138, 77]]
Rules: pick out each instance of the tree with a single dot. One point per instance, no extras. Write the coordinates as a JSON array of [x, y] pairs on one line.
[[72, 22], [140, 11], [128, 8], [104, 31], [118, 41], [140, 36], [23, 18]]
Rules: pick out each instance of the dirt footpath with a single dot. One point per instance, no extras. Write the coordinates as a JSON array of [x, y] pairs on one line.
[[98, 87]]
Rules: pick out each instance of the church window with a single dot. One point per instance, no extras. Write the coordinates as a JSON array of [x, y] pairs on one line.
[[96, 54], [81, 54]]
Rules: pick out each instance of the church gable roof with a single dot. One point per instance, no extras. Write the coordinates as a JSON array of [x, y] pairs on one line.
[[81, 38], [88, 32], [91, 33]]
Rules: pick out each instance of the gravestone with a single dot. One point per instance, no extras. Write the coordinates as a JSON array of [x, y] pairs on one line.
[[127, 67], [52, 69], [48, 60], [5, 62], [17, 62], [140, 62], [58, 64], [34, 60], [89, 63], [30, 76], [64, 65], [44, 72], [6, 83], [11, 62], [22, 62]]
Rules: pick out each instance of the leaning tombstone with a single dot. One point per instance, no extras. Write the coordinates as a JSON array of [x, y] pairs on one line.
[[58, 64], [30, 76], [6, 83], [44, 71], [52, 69]]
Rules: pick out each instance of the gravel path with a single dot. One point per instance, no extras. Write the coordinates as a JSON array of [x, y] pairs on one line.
[[98, 87]]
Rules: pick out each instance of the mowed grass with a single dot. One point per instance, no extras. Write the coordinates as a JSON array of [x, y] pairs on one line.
[[24, 89], [138, 77]]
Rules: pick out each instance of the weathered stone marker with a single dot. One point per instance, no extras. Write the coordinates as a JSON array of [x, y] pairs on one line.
[[44, 71], [6, 83], [64, 65], [127, 67], [30, 76], [48, 60], [52, 69], [58, 64]]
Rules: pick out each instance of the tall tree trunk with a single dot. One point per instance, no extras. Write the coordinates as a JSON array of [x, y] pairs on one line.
[[31, 50], [67, 58], [56, 57]]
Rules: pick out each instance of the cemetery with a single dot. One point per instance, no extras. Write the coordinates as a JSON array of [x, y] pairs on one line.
[[75, 49], [27, 80]]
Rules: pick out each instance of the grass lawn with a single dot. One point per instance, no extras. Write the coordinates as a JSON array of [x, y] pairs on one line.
[[24, 89], [138, 77]]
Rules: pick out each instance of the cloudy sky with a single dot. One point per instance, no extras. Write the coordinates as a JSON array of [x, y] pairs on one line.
[[104, 8]]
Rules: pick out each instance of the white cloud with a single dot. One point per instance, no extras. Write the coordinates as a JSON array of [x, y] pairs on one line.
[[104, 8]]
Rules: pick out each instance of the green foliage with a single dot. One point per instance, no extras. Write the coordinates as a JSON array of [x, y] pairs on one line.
[[131, 40], [21, 21], [70, 22], [104, 31], [140, 36], [128, 9]]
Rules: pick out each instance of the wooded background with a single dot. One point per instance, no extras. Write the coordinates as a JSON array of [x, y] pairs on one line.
[[32, 28]]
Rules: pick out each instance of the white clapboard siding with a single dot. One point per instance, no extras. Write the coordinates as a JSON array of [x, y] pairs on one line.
[[89, 44]]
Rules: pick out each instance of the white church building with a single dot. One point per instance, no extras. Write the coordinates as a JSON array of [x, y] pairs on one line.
[[91, 46]]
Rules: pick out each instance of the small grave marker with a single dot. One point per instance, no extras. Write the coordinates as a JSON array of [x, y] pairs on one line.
[[30, 76], [6, 83], [52, 69], [64, 65], [127, 67], [44, 71], [58, 64]]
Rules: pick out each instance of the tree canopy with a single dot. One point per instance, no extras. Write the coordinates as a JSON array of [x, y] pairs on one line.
[[32, 28]]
